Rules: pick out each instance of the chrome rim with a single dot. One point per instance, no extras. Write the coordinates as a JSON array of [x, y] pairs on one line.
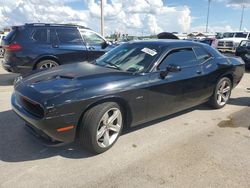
[[109, 127], [48, 64], [223, 93]]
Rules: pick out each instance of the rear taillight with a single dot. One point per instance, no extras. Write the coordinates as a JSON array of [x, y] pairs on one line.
[[13, 47]]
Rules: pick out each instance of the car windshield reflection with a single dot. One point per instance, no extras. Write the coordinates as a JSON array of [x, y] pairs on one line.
[[131, 58]]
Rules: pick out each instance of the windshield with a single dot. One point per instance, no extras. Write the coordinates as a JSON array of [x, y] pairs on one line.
[[241, 35], [130, 57], [235, 35], [228, 35]]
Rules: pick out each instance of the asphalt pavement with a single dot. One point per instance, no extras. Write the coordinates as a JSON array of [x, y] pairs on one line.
[[199, 147]]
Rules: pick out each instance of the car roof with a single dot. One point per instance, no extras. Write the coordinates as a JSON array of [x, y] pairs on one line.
[[169, 42], [172, 44], [52, 25]]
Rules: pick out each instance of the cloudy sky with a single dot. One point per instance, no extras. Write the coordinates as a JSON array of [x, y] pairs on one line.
[[137, 17]]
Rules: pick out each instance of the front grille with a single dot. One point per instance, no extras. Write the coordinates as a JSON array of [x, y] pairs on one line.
[[31, 106], [225, 44], [220, 43], [229, 43]]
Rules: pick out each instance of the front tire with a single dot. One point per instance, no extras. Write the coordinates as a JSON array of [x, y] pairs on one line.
[[222, 93], [100, 127]]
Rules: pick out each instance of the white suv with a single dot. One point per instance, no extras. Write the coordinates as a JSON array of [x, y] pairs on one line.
[[231, 41]]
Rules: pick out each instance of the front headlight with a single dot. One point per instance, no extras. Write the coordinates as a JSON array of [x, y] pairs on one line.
[[236, 44], [17, 79]]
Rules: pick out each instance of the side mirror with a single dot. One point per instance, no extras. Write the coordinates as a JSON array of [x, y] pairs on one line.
[[170, 68], [105, 44]]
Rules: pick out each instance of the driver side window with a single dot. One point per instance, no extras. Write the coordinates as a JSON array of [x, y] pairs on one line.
[[181, 57], [92, 38]]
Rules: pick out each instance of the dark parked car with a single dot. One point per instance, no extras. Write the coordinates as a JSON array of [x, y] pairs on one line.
[[40, 46], [208, 41], [243, 51], [134, 83], [167, 35]]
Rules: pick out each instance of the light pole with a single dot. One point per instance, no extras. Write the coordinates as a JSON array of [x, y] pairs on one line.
[[102, 18], [208, 12], [242, 15]]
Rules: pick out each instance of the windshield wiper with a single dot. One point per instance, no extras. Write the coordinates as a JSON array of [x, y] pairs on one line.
[[112, 65]]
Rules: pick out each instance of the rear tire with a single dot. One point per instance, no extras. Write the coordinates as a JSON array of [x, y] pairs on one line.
[[222, 93], [100, 127], [46, 64]]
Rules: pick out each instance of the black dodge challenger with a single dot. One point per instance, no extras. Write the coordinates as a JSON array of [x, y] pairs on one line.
[[134, 83]]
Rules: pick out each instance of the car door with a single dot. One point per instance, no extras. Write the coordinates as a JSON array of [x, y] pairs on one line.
[[174, 92], [195, 90], [68, 45], [39, 44], [95, 44]]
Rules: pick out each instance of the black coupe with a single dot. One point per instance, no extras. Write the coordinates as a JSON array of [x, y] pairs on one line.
[[134, 83]]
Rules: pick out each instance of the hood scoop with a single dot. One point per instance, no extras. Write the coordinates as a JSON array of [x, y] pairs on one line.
[[55, 77], [64, 77]]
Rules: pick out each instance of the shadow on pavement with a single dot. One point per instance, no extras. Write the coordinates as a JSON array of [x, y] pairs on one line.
[[7, 79], [18, 145], [202, 107], [241, 101]]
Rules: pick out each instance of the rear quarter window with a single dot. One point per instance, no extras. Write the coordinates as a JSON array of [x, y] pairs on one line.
[[201, 54], [10, 37], [41, 35]]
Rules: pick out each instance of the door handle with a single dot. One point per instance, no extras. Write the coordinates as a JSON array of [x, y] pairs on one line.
[[55, 45], [91, 48], [198, 71]]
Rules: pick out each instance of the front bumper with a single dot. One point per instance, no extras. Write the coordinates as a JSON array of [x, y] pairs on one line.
[[46, 127], [226, 49]]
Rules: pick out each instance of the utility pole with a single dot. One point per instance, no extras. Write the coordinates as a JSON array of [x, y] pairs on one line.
[[242, 15], [102, 18], [208, 12]]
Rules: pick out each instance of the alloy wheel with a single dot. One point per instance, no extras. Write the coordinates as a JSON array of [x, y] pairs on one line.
[[109, 127], [223, 93], [48, 64]]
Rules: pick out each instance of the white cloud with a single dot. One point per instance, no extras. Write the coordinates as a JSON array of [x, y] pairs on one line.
[[24, 11], [127, 16], [143, 16], [213, 29], [236, 3]]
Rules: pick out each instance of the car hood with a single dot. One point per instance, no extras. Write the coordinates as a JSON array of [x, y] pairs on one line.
[[67, 78]]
